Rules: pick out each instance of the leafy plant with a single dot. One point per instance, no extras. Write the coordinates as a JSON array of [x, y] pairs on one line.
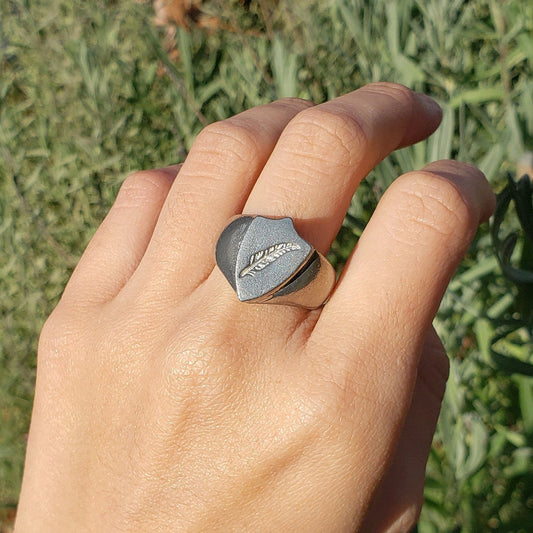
[[89, 93], [512, 345]]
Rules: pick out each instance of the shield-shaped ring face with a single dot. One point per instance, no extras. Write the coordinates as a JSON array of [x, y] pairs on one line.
[[265, 260]]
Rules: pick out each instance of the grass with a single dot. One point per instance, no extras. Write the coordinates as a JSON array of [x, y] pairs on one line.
[[88, 94]]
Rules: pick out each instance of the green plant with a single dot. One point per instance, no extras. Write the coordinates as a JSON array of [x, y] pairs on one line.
[[88, 93], [514, 335]]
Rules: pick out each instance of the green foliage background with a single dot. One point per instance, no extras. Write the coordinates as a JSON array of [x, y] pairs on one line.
[[88, 94]]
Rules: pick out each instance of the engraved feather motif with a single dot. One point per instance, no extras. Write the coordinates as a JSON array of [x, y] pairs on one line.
[[263, 258]]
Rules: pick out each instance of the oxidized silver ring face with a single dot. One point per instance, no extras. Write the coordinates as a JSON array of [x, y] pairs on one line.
[[266, 261]]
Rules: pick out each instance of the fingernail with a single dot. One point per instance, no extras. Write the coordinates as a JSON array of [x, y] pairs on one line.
[[429, 105]]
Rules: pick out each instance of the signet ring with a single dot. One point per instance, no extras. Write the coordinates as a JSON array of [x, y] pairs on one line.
[[266, 261]]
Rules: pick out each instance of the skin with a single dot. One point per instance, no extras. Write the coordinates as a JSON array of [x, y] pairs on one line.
[[164, 404]]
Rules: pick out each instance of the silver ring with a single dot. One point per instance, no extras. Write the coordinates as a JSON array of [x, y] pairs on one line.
[[266, 261]]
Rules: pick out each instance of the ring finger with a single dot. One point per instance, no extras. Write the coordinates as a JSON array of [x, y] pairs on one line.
[[214, 183]]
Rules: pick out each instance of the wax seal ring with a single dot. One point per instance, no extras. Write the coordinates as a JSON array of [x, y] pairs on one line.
[[266, 261]]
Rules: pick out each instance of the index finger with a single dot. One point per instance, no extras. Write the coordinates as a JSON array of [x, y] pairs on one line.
[[392, 286]]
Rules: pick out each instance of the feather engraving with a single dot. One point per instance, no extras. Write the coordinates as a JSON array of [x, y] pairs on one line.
[[263, 258]]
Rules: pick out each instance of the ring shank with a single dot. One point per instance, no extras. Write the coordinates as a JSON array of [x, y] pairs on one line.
[[311, 287], [265, 260]]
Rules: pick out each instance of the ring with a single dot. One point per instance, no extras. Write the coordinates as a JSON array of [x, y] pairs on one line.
[[266, 261]]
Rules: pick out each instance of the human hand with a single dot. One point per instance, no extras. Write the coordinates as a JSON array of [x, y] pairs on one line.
[[164, 404]]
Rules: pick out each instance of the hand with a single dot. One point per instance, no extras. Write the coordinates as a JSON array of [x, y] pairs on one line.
[[164, 404]]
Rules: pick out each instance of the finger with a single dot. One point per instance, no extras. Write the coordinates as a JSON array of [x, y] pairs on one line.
[[392, 286], [326, 151], [120, 242], [397, 503], [409, 250], [215, 181]]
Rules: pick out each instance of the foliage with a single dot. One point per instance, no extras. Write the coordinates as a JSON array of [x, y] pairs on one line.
[[88, 93]]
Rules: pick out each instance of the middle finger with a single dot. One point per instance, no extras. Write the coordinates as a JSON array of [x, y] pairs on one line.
[[325, 152]]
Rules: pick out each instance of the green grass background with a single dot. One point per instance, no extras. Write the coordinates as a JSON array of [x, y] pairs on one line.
[[88, 94]]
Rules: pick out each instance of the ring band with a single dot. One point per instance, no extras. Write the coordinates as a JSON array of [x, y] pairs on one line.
[[266, 261]]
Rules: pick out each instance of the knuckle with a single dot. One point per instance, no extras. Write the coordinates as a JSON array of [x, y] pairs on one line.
[[140, 188], [58, 337], [428, 201], [48, 335], [330, 130], [231, 141], [398, 92]]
